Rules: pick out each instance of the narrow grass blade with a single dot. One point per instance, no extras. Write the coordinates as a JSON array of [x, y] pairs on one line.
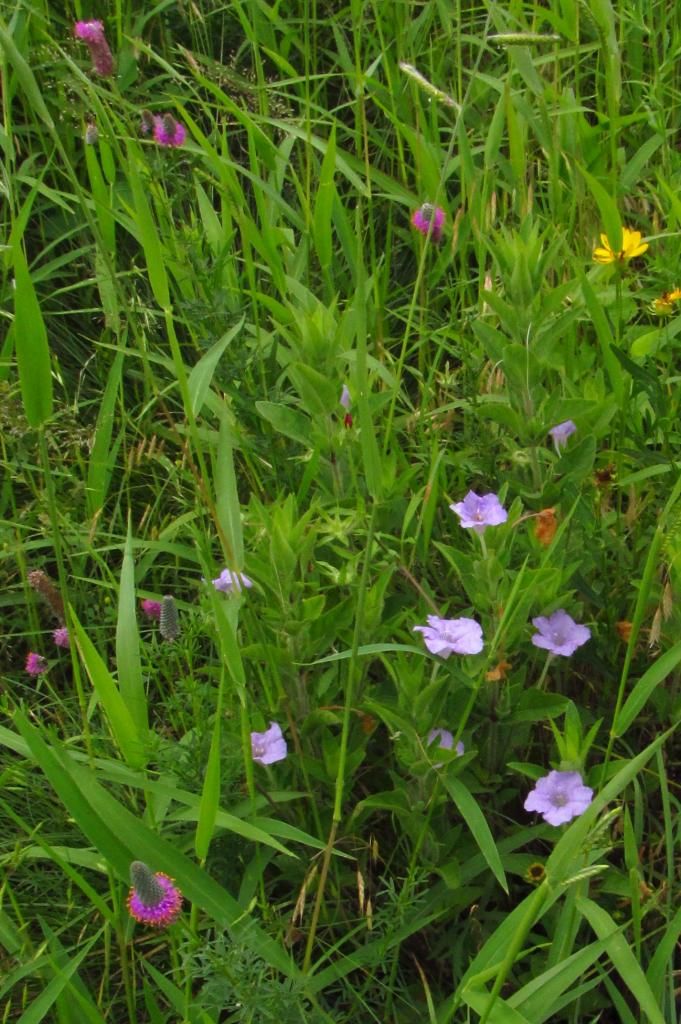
[[607, 208], [227, 506], [44, 1001], [649, 681], [128, 660], [323, 207], [103, 453], [474, 818], [210, 794], [30, 343], [201, 375]]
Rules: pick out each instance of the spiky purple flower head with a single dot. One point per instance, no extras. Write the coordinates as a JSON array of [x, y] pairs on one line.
[[154, 898], [61, 637], [92, 34], [35, 664], [559, 633], [561, 432], [269, 746], [477, 512], [429, 219], [169, 132], [451, 636], [229, 581], [559, 797]]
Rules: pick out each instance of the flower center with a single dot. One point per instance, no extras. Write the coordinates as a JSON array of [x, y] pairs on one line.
[[259, 748], [559, 799]]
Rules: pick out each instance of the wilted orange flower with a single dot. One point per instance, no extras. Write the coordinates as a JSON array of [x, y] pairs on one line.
[[664, 304], [624, 628], [631, 246], [546, 527], [499, 672]]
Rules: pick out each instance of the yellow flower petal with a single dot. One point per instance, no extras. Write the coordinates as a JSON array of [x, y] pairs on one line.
[[604, 255]]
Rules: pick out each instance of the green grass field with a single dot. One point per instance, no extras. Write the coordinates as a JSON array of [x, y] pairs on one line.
[[306, 605]]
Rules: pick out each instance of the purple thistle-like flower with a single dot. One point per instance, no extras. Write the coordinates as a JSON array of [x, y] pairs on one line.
[[559, 633], [269, 746], [429, 219], [228, 581], [561, 432], [168, 131], [477, 512], [154, 898], [451, 636], [345, 398], [152, 609], [61, 637], [35, 664], [559, 797], [92, 34], [446, 740]]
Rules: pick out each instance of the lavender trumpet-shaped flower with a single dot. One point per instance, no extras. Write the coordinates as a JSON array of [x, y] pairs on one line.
[[477, 512], [451, 636], [154, 898], [269, 746], [561, 432], [229, 581], [446, 740], [559, 797], [92, 34], [559, 633]]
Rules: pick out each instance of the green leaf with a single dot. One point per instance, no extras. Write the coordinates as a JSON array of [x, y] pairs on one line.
[[227, 504], [286, 421], [103, 454], [30, 342], [323, 207], [201, 374], [128, 661], [607, 207], [474, 818], [656, 674]]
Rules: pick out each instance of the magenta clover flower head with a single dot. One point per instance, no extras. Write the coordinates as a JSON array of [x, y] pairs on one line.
[[92, 34], [154, 898], [451, 636], [477, 512], [35, 664], [229, 581], [559, 633], [561, 432], [269, 746], [61, 637], [559, 797], [169, 132], [345, 398], [429, 219], [152, 609], [446, 740]]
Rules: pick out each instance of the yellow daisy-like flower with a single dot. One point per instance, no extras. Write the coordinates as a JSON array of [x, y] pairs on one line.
[[664, 304], [631, 246]]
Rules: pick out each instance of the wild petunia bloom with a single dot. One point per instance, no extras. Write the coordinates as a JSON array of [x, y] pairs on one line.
[[35, 664], [92, 34], [228, 581], [154, 899], [269, 746], [559, 797], [451, 636], [346, 401], [631, 246], [152, 609], [559, 633], [429, 219], [446, 740], [61, 637], [477, 512], [561, 432]]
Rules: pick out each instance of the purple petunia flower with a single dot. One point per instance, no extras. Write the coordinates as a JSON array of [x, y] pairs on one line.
[[451, 636], [92, 34], [559, 797], [61, 637], [169, 132], [154, 898], [228, 581], [477, 512], [561, 432], [269, 746], [152, 609], [559, 633], [446, 740], [429, 219], [345, 398], [35, 664]]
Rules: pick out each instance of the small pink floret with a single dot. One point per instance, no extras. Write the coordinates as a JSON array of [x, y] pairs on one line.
[[152, 609], [163, 913], [61, 637], [168, 132], [35, 664], [429, 218], [89, 31]]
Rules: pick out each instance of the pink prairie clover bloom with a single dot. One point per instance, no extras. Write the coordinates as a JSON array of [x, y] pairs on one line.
[[429, 219], [92, 34], [559, 633], [169, 132], [152, 609], [477, 512], [228, 581], [269, 746], [559, 797], [154, 899], [446, 740], [35, 664], [561, 432], [61, 637], [451, 636]]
